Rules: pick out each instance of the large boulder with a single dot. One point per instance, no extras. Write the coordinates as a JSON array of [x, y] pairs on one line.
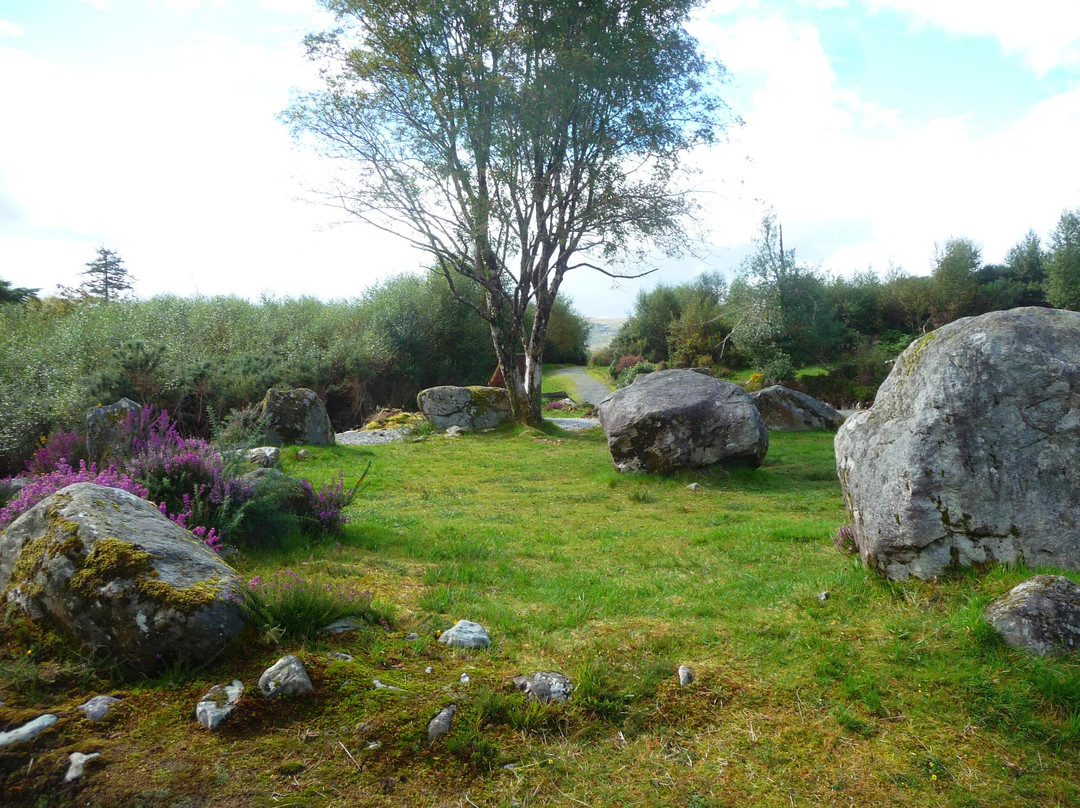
[[791, 411], [467, 407], [105, 434], [295, 417], [672, 419], [106, 568], [971, 452]]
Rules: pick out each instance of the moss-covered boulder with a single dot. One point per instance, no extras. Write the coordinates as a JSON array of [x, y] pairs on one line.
[[467, 407], [295, 416], [1041, 615], [107, 569], [971, 453], [672, 419]]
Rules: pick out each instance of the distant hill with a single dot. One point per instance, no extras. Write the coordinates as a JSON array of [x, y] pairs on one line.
[[603, 330]]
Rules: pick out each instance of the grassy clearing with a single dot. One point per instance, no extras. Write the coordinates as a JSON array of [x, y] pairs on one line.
[[881, 694]]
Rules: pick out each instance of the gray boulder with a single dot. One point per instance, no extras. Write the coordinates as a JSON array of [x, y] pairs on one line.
[[286, 677], [105, 436], [1041, 615], [106, 568], [471, 408], [466, 634], [295, 417], [971, 452], [673, 419], [791, 411]]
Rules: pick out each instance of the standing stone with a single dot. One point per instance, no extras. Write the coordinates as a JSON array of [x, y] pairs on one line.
[[1041, 615], [971, 452], [105, 436], [109, 570], [470, 408], [295, 417], [286, 677], [673, 419], [791, 411]]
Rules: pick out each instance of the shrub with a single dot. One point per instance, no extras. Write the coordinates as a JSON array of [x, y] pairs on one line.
[[66, 446], [626, 378], [288, 608], [62, 476], [326, 507]]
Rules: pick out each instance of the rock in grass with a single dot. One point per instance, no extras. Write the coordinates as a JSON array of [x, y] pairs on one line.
[[286, 677], [109, 570], [218, 704], [471, 408], [1041, 615], [98, 707], [76, 763], [545, 686], [440, 724], [686, 676], [263, 456], [465, 634], [28, 731]]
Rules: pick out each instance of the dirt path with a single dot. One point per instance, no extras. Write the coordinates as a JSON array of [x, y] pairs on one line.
[[589, 389]]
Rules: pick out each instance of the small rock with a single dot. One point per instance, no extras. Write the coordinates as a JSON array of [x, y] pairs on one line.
[[380, 686], [694, 487], [545, 686], [686, 676], [373, 745], [412, 636], [429, 669], [218, 704], [466, 634], [440, 724], [340, 656], [343, 625], [286, 677], [76, 762], [263, 456], [303, 454], [465, 679], [97, 707], [27, 731], [824, 596], [455, 431]]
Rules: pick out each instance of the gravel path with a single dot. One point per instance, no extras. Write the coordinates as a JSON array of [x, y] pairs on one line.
[[369, 437], [592, 391], [573, 423]]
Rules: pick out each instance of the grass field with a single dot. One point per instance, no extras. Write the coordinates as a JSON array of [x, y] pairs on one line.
[[880, 694]]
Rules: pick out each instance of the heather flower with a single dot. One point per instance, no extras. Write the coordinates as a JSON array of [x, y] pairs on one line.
[[44, 485]]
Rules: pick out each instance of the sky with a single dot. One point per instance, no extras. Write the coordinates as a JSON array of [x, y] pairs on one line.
[[874, 129]]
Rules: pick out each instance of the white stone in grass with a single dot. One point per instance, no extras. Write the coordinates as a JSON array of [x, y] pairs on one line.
[[686, 676], [545, 686], [218, 704], [465, 634], [28, 731], [286, 677], [76, 763]]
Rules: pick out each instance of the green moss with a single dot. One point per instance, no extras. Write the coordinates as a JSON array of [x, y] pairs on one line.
[[487, 398], [112, 559], [61, 538]]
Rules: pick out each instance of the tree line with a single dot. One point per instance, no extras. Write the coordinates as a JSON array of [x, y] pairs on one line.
[[204, 357], [778, 315]]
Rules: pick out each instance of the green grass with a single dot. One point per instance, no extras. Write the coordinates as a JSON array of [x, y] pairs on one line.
[[882, 694]]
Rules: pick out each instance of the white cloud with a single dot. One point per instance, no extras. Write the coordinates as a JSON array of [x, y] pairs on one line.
[[847, 179], [11, 28], [1045, 32], [100, 5]]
